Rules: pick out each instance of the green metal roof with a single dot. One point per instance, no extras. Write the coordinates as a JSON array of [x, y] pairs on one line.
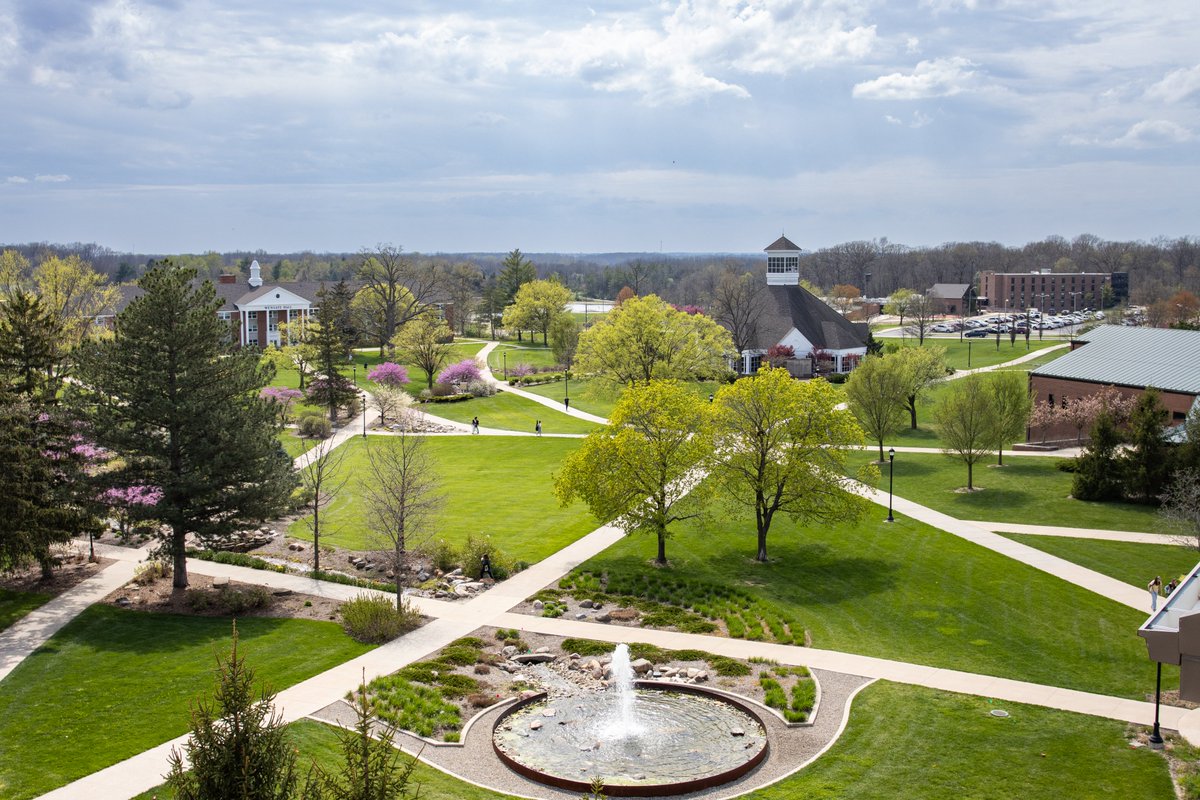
[[1164, 358]]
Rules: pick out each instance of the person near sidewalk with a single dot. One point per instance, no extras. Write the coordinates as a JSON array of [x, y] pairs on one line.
[[475, 425], [537, 428], [1154, 587]]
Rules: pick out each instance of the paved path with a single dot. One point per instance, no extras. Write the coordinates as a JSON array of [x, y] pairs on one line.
[[1066, 452], [1030, 356], [537, 398], [1075, 533], [32, 630]]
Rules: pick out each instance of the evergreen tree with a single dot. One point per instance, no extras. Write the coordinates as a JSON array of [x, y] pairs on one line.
[[1147, 462], [31, 347], [1097, 470], [171, 396], [239, 746], [331, 389]]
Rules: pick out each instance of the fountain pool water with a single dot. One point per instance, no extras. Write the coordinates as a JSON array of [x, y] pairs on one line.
[[638, 740]]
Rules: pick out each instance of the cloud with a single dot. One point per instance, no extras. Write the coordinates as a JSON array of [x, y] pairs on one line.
[[1153, 133], [940, 77], [919, 120], [52, 178], [16, 179], [1177, 85]]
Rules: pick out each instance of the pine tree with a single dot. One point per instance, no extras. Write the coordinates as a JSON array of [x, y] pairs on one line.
[[172, 397], [239, 746], [31, 346], [332, 389]]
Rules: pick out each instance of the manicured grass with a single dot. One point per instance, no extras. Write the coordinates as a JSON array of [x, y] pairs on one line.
[[512, 354], [318, 743], [982, 352], [909, 592], [1130, 562], [595, 398], [509, 412], [113, 683], [295, 445], [495, 485], [909, 742], [1026, 489], [14, 605]]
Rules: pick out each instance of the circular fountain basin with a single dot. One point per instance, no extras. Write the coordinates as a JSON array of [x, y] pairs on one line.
[[684, 739]]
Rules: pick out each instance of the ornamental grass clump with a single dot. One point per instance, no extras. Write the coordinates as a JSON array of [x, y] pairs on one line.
[[374, 619]]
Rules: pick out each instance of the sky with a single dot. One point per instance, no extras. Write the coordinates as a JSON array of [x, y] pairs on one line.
[[166, 126]]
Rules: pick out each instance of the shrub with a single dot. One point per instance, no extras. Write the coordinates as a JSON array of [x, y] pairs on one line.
[[440, 389], [804, 695], [480, 700], [374, 619], [448, 398], [150, 572], [464, 372], [350, 580], [239, 601], [836, 377], [443, 555], [199, 599], [236, 559], [472, 555], [480, 389], [315, 426]]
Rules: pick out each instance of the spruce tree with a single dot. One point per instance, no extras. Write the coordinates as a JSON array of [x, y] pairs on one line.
[[331, 389], [1147, 461], [31, 347], [179, 404]]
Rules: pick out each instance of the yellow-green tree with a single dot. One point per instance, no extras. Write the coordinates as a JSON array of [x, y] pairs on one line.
[[637, 471], [782, 446], [968, 421], [922, 369], [876, 393], [644, 339], [299, 351], [425, 342], [75, 292], [536, 305]]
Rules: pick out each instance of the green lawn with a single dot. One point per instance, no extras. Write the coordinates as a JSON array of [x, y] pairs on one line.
[[513, 353], [595, 398], [510, 412], [980, 352], [496, 485], [911, 742], [295, 445], [317, 742], [909, 592], [113, 683], [14, 605], [1026, 489], [1130, 562]]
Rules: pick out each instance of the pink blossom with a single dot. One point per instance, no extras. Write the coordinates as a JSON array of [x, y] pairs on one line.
[[281, 394], [464, 371], [389, 374], [135, 495], [521, 370]]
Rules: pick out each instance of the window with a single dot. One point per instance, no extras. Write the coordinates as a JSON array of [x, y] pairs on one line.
[[272, 322], [252, 324], [783, 264], [755, 363]]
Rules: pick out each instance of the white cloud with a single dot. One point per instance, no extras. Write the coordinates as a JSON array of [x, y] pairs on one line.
[[919, 120], [1154, 133], [1176, 85], [16, 179], [940, 77], [52, 178]]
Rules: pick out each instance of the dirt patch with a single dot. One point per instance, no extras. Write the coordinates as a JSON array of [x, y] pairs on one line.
[[202, 598], [73, 569]]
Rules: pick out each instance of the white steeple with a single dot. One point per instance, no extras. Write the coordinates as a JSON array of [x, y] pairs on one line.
[[255, 274], [783, 263]]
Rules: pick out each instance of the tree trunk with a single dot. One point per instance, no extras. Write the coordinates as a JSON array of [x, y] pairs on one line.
[[912, 410], [661, 558], [970, 485], [1000, 454], [881, 451], [47, 564], [179, 579], [316, 529], [762, 546]]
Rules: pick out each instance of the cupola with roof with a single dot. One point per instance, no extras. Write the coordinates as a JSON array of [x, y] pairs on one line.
[[783, 263]]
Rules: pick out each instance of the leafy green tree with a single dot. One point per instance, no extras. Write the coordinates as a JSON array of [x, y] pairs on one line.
[[536, 306], [373, 768], [782, 446], [31, 347], [1014, 402], [1146, 463], [425, 342], [564, 339], [299, 349], [645, 339], [333, 389], [179, 405], [515, 271], [967, 417], [898, 303], [75, 293], [637, 470], [876, 393], [239, 747], [922, 368]]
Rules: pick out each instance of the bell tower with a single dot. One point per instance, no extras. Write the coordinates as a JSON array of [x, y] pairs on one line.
[[783, 263]]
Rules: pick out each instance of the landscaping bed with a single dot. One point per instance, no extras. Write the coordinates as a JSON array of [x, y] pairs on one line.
[[73, 568]]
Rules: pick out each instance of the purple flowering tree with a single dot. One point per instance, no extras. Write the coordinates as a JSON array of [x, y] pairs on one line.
[[283, 398], [389, 374], [462, 373], [521, 370], [129, 504]]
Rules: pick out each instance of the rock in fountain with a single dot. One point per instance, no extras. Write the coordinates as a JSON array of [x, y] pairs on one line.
[[640, 739]]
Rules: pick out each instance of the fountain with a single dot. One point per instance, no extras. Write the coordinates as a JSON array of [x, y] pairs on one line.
[[640, 738]]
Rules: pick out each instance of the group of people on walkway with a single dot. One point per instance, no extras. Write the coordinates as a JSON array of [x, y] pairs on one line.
[[1155, 587]]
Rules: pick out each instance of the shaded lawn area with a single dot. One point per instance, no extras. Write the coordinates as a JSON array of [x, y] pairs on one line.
[[1026, 489], [1130, 562], [14, 605], [113, 683], [908, 742], [295, 445], [318, 743], [367, 359], [509, 412], [909, 592], [497, 485]]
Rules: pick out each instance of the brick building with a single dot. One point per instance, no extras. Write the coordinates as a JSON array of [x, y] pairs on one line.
[[1050, 292], [1128, 359]]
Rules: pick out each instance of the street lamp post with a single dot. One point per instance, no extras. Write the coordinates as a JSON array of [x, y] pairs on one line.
[[1041, 314], [504, 355], [1156, 740], [567, 389], [891, 472], [968, 353], [364, 414]]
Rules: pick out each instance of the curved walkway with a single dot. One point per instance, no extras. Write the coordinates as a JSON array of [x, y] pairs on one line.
[[537, 398]]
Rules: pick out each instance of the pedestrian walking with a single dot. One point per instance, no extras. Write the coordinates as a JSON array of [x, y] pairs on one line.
[[485, 567], [537, 428], [1170, 587], [567, 403], [475, 425], [1154, 587]]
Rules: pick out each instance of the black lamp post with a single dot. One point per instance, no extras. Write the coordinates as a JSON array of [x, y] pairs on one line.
[[891, 473], [364, 414], [504, 355], [1041, 314], [567, 389], [1156, 740], [969, 353]]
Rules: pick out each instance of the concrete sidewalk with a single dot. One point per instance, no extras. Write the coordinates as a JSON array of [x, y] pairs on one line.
[[537, 398], [1075, 533]]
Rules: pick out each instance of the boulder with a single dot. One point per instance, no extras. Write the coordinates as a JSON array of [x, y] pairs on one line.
[[586, 604], [640, 666], [624, 614], [509, 651], [533, 658], [603, 616], [219, 581], [538, 605]]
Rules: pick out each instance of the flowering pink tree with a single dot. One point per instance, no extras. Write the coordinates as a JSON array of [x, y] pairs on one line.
[[690, 310], [463, 372], [521, 370], [778, 355], [283, 398], [389, 374], [129, 504]]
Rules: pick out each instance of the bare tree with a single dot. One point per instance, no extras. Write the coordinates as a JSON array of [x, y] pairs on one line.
[[402, 495], [921, 312], [321, 477], [737, 303], [394, 290], [1181, 508]]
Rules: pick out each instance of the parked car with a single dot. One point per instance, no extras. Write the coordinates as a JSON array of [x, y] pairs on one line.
[[976, 333]]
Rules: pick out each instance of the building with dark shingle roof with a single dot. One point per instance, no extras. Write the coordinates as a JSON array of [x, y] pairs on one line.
[[794, 317]]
